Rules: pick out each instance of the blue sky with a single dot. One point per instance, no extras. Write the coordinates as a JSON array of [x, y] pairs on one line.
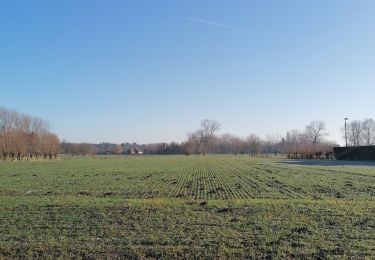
[[149, 71]]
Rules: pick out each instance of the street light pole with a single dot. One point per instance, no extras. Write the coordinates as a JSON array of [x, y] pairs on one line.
[[346, 135]]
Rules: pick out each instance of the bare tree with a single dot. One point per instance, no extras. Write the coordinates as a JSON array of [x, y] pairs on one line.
[[315, 131], [292, 141], [39, 129], [50, 145], [360, 132], [271, 144], [194, 141], [354, 132], [254, 144], [5, 126], [188, 147], [207, 130], [116, 149], [368, 131], [83, 148], [238, 145]]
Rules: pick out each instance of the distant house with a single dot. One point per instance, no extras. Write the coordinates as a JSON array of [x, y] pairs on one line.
[[134, 151]]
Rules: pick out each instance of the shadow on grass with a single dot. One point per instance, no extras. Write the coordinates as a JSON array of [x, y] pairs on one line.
[[329, 163]]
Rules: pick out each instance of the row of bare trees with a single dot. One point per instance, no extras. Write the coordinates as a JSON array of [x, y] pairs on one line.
[[79, 148], [307, 143], [222, 144], [24, 136], [83, 149], [360, 132]]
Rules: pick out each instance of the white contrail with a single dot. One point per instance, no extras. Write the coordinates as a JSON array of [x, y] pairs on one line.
[[218, 24]]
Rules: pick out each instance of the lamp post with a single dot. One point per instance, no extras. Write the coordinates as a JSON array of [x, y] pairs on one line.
[[346, 136]]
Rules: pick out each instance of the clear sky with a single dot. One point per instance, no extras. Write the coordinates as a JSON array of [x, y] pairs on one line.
[[149, 71]]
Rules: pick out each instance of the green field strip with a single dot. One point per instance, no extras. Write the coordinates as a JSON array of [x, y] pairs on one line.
[[224, 183], [264, 187], [237, 193], [244, 193], [247, 177]]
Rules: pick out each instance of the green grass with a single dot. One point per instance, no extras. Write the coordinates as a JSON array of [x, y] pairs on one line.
[[185, 206]]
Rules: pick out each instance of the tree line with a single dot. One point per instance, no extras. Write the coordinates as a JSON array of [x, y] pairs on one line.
[[83, 149], [307, 143], [23, 136]]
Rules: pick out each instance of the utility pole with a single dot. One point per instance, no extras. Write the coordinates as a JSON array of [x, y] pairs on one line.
[[346, 135]]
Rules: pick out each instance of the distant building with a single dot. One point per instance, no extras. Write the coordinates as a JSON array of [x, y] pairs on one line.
[[134, 151]]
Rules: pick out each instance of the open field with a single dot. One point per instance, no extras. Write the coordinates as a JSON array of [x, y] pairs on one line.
[[186, 206]]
